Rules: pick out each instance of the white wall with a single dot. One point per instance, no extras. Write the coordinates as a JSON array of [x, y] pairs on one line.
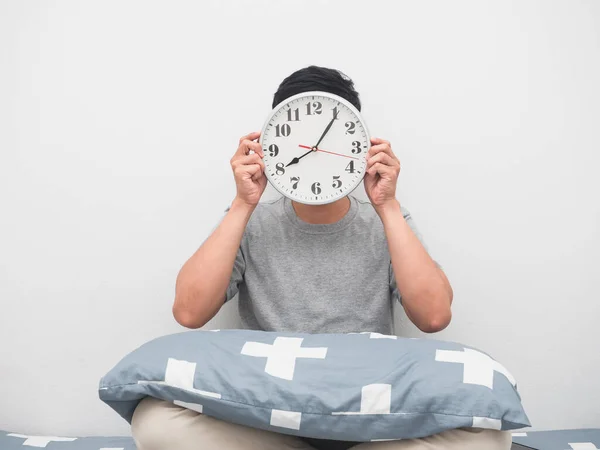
[[118, 119]]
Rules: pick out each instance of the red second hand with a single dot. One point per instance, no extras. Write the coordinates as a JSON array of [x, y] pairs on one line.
[[325, 151]]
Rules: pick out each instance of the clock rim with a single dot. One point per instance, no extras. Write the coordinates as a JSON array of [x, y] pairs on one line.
[[321, 94]]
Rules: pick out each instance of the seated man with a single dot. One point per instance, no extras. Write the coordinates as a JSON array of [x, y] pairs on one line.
[[249, 252]]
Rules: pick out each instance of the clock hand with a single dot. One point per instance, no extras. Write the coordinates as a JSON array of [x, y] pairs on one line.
[[326, 130], [295, 160], [332, 153]]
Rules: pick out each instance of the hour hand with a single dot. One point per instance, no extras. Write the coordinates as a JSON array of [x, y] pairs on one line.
[[297, 159], [293, 161]]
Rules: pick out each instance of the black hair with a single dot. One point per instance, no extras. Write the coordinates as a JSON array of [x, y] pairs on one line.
[[314, 78]]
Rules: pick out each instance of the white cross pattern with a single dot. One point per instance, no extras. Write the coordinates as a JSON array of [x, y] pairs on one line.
[[377, 335], [583, 446], [40, 441], [375, 399], [180, 374], [193, 406], [487, 422], [382, 336], [478, 367], [286, 419], [281, 356]]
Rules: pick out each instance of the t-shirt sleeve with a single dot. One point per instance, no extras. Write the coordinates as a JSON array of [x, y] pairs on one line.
[[239, 267], [237, 275], [395, 292]]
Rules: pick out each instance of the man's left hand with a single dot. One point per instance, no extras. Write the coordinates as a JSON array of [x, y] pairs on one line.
[[381, 176]]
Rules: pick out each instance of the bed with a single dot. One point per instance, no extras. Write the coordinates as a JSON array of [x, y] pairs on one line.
[[13, 441]]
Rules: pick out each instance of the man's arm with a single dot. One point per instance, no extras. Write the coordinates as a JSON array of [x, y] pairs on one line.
[[202, 283], [425, 290], [203, 280]]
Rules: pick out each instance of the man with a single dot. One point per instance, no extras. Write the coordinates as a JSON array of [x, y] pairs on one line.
[[295, 268]]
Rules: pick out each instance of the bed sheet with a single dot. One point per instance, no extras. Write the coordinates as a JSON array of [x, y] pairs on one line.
[[14, 440]]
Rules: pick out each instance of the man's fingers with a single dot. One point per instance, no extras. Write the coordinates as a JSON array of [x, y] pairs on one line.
[[250, 137], [247, 160], [381, 169], [378, 168], [247, 145], [383, 158], [253, 171], [377, 141], [256, 171], [256, 147], [248, 166], [378, 148]]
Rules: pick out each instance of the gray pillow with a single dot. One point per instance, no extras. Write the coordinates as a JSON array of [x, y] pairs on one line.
[[355, 387]]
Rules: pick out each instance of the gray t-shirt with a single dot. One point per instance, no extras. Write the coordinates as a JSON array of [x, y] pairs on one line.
[[315, 278]]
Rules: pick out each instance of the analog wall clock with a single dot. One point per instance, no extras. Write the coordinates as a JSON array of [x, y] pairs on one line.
[[315, 145]]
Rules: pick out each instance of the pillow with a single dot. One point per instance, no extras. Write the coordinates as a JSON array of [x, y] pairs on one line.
[[355, 387]]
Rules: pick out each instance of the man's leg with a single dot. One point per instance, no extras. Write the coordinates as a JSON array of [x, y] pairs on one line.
[[458, 439], [160, 425]]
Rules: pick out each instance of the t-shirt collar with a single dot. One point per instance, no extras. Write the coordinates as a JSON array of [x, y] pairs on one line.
[[320, 228]]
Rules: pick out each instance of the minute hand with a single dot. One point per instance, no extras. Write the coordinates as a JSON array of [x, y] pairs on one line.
[[326, 130]]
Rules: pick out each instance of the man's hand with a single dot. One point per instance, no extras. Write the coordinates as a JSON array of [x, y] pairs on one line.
[[381, 176], [249, 170]]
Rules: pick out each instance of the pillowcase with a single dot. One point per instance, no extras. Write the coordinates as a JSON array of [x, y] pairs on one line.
[[355, 387]]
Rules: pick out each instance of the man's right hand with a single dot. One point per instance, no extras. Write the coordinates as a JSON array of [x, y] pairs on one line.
[[249, 170]]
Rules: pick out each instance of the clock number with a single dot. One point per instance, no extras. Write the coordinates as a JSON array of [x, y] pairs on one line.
[[316, 108], [296, 115], [350, 167], [280, 170], [283, 130], [274, 150], [294, 181], [337, 182], [316, 188], [350, 127], [336, 112], [356, 147]]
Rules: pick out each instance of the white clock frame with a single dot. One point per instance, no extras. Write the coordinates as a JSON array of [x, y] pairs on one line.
[[281, 109]]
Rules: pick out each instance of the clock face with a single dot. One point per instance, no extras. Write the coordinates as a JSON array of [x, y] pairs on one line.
[[301, 162]]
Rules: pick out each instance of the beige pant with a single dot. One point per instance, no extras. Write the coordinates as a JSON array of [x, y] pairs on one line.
[[160, 425]]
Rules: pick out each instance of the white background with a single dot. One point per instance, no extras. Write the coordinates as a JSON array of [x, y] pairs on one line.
[[118, 120]]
